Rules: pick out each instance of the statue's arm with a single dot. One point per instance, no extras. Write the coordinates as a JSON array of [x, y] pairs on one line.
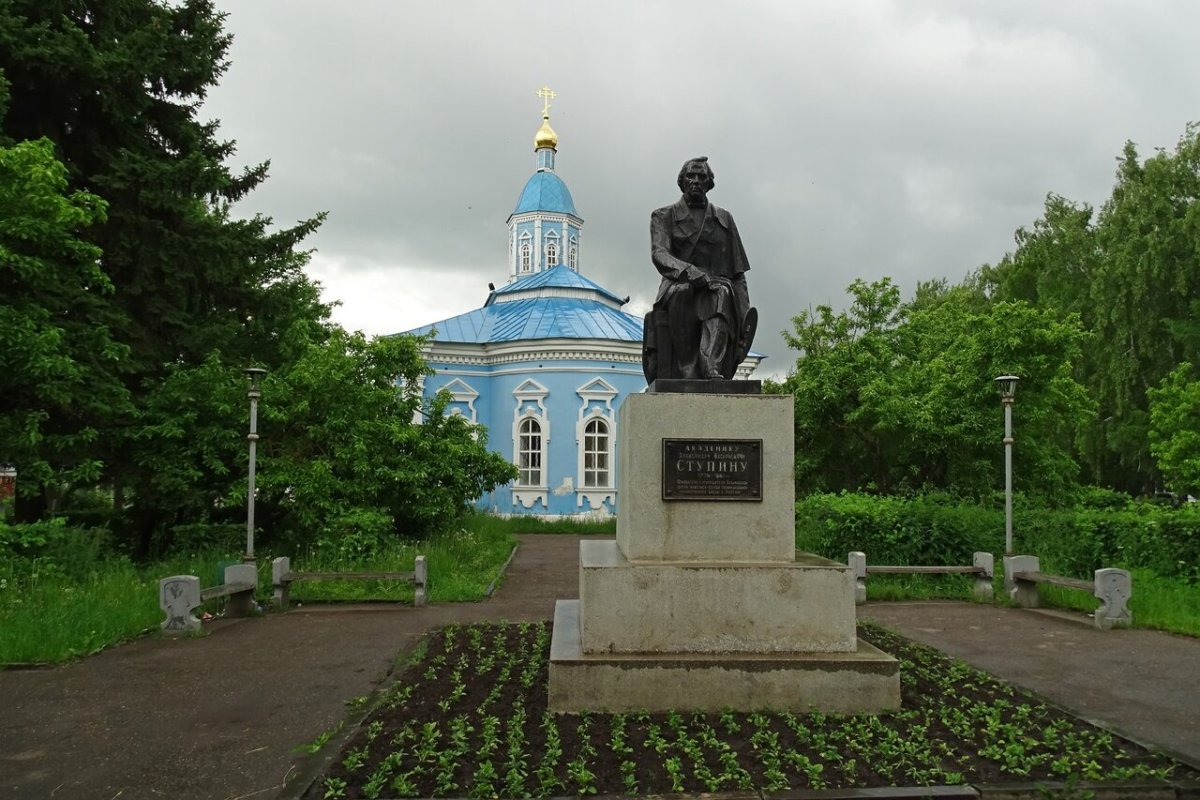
[[672, 268]]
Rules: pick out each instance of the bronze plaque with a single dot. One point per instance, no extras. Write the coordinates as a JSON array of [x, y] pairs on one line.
[[712, 469]]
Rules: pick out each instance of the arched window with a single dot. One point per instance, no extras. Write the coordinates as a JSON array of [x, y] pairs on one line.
[[595, 454], [573, 254], [526, 251], [551, 249], [529, 453]]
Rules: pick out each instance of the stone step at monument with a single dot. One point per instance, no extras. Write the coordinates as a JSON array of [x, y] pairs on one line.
[[864, 680], [806, 606]]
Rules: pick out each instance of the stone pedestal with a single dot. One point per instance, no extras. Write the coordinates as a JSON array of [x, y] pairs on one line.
[[704, 604]]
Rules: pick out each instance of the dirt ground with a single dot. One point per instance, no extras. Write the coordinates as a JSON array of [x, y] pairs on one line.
[[221, 716]]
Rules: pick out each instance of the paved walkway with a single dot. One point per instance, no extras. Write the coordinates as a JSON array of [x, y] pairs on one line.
[[220, 716]]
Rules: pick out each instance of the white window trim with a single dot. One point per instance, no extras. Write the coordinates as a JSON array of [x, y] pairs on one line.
[[530, 391], [461, 392], [596, 390], [525, 253]]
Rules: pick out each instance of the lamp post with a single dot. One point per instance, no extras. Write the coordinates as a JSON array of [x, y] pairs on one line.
[[1008, 391], [255, 375]]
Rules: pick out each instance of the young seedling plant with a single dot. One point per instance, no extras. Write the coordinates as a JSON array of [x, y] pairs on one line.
[[470, 719]]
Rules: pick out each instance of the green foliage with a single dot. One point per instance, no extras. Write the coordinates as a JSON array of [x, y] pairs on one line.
[[340, 449], [59, 366], [116, 87], [341, 463], [938, 530], [1145, 535], [63, 594], [52, 548], [900, 397], [1132, 275], [462, 565], [928, 529], [1175, 429]]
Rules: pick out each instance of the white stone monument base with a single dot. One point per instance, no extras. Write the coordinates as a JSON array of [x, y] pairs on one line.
[[802, 606], [864, 681]]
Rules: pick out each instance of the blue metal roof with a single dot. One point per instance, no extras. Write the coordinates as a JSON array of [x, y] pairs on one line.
[[545, 191], [538, 318], [560, 277]]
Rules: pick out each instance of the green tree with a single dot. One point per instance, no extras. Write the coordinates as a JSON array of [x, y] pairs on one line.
[[59, 365], [955, 342], [900, 397], [839, 383], [348, 451], [117, 85], [1144, 294], [1175, 429], [1132, 275]]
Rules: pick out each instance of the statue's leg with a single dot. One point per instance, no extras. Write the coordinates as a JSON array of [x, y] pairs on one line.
[[714, 341], [686, 332]]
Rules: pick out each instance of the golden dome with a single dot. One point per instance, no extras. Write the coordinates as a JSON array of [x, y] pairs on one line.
[[546, 137]]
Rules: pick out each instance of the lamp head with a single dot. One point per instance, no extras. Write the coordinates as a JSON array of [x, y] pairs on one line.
[[255, 375], [1008, 386]]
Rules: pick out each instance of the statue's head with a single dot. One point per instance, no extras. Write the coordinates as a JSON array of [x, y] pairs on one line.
[[695, 166]]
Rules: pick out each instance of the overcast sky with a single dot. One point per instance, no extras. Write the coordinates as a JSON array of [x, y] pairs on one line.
[[849, 139]]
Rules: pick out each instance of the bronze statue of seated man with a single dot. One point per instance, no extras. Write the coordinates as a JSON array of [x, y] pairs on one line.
[[702, 325]]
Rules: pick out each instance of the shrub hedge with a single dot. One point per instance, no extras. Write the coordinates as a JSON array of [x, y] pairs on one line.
[[938, 529]]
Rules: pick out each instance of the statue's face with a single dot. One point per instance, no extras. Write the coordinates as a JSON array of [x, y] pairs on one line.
[[695, 181]]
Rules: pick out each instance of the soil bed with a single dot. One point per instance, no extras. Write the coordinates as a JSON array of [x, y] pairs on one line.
[[469, 719]]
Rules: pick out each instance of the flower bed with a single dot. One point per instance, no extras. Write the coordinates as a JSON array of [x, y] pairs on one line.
[[470, 720]]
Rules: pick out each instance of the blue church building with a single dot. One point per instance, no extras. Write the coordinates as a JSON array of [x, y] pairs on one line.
[[547, 360]]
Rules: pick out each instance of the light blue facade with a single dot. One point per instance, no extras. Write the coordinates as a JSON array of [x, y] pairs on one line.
[[546, 362]]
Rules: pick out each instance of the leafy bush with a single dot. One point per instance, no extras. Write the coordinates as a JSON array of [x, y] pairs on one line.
[[926, 529], [203, 537], [52, 548], [937, 529], [1078, 542]]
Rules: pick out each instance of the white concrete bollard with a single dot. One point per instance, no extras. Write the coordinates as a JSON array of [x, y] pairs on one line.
[[983, 580], [241, 603], [858, 566], [420, 580], [177, 596], [1114, 587], [1023, 593], [281, 568]]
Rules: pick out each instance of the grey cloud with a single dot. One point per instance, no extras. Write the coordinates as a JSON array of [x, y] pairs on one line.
[[850, 140]]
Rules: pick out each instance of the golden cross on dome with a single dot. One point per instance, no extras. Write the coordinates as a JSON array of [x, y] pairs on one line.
[[547, 96]]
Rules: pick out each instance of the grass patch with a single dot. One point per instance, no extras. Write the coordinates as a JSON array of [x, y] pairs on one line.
[[470, 720], [461, 566], [1167, 604], [54, 617], [47, 616], [920, 587]]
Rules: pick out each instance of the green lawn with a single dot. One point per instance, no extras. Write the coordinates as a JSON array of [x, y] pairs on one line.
[[48, 617]]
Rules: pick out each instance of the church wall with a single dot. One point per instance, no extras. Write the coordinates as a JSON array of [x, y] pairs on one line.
[[561, 398]]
